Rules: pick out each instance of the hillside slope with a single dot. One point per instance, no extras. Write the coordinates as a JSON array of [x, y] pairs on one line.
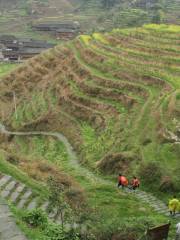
[[118, 94], [16, 16], [116, 97]]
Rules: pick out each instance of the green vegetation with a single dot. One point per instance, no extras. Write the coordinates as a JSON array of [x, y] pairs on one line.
[[37, 226], [93, 15], [6, 67], [37, 107], [115, 96]]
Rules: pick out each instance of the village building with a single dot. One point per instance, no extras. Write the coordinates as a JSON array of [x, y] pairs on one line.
[[64, 31], [65, 34], [13, 49], [5, 39]]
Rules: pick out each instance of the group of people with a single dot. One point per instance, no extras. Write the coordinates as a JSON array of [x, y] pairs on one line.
[[123, 182], [174, 203]]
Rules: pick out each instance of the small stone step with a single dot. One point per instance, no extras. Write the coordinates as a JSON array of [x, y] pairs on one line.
[[45, 206], [3, 215], [4, 180], [159, 205], [163, 212], [8, 227], [7, 191], [53, 213], [32, 205], [4, 210], [24, 199], [160, 209], [16, 193], [162, 206], [11, 232], [58, 220]]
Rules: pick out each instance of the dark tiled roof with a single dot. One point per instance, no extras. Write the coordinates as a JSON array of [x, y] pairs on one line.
[[54, 26], [22, 52], [37, 44], [7, 38], [64, 30]]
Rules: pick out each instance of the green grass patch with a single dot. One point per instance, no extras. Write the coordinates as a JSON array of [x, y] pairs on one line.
[[5, 68]]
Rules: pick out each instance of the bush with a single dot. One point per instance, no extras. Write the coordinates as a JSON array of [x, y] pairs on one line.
[[36, 218], [54, 232], [150, 173], [115, 162], [167, 184], [130, 228], [51, 231]]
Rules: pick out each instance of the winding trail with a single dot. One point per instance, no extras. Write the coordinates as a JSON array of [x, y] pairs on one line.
[[145, 197], [71, 153]]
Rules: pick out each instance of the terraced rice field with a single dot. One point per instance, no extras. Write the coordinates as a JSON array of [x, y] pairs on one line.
[[121, 88], [116, 98]]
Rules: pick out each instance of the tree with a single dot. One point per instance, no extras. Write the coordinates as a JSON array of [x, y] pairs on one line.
[[57, 200], [158, 17]]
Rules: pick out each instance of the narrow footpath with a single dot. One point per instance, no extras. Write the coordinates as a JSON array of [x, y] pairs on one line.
[[8, 227], [158, 205]]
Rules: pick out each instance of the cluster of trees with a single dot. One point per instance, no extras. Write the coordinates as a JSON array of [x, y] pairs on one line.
[[154, 8]]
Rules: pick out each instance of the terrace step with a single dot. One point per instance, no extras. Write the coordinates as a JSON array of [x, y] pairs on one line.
[[154, 202], [7, 190], [17, 192], [24, 198], [4, 179], [32, 204], [21, 196], [45, 206], [8, 227]]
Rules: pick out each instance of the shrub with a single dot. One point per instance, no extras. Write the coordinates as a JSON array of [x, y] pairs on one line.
[[166, 184], [75, 197], [129, 228], [13, 160], [150, 173], [51, 231], [36, 218], [54, 232], [115, 162]]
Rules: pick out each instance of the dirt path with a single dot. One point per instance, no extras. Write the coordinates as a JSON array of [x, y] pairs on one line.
[[148, 198]]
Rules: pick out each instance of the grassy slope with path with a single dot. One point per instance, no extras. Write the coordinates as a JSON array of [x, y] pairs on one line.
[[90, 95]]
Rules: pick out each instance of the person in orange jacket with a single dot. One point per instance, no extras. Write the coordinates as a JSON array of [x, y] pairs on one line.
[[122, 181], [135, 183]]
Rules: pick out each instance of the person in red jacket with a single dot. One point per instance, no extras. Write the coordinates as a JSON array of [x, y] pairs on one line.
[[122, 181], [135, 183]]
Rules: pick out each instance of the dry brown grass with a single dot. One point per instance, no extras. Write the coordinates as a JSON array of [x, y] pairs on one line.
[[117, 162], [41, 170]]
